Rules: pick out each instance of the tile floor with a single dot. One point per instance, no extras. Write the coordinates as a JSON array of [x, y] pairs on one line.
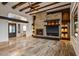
[[36, 47]]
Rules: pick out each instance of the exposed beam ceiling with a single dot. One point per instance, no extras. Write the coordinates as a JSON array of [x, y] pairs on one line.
[[18, 5], [48, 5], [29, 6], [36, 7], [52, 8], [43, 7], [4, 3], [67, 9], [58, 9]]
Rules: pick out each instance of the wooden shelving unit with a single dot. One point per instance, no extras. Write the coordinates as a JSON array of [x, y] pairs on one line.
[[65, 25], [65, 31]]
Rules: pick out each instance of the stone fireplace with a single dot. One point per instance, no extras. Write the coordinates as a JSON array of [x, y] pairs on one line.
[[45, 29]]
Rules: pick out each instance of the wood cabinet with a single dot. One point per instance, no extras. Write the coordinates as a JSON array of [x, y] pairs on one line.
[[66, 15]]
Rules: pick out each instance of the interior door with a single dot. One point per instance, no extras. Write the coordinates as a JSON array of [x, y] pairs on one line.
[[12, 29]]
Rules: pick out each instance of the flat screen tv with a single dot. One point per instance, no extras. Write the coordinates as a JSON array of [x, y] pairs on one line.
[[52, 30]]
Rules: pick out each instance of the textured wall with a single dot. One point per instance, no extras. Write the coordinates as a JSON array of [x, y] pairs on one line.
[[39, 22], [74, 40]]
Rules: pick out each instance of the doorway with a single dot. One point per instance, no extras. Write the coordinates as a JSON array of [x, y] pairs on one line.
[[12, 30]]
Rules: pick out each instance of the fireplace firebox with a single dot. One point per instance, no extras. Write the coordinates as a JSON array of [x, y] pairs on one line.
[[39, 31]]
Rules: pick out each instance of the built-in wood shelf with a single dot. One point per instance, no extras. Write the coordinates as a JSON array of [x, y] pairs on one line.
[[64, 31]]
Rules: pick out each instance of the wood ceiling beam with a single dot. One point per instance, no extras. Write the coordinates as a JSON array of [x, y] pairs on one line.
[[43, 7], [18, 5], [13, 19], [52, 8], [29, 6], [36, 3], [48, 5], [4, 3]]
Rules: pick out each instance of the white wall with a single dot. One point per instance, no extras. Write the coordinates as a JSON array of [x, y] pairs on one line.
[[4, 10], [29, 26], [28, 29], [3, 30]]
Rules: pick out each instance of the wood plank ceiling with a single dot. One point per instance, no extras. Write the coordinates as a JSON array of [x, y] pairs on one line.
[[36, 7]]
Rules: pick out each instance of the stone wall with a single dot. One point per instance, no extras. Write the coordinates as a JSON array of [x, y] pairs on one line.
[[41, 17]]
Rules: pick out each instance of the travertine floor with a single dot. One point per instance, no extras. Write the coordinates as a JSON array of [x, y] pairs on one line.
[[36, 47]]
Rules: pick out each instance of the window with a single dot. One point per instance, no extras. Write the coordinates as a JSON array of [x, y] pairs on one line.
[[75, 23], [24, 28], [12, 29]]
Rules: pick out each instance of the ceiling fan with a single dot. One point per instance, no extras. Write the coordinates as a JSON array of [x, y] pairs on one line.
[[33, 6]]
